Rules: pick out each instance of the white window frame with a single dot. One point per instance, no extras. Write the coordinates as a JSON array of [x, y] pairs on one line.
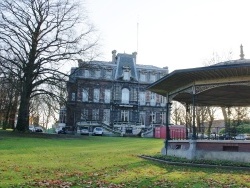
[[153, 117], [163, 118], [95, 114], [126, 75], [96, 95], [85, 95], [125, 96], [142, 98], [142, 77], [97, 73], [143, 118], [106, 116], [108, 73], [84, 114], [86, 73], [152, 77], [153, 99], [163, 100], [125, 115], [107, 94]]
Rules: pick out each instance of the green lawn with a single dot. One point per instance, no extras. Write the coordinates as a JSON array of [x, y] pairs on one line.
[[90, 161]]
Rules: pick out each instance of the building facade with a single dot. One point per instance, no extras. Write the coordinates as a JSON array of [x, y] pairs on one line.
[[113, 94]]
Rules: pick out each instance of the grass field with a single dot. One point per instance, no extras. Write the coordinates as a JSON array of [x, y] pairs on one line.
[[90, 161]]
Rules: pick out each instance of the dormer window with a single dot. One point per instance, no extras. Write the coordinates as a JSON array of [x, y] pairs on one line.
[[126, 73], [86, 73], [143, 75], [152, 77], [108, 73]]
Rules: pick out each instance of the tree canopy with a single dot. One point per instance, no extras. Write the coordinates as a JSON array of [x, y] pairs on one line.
[[37, 37]]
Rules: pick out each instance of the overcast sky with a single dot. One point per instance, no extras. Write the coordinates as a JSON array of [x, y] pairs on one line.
[[175, 33]]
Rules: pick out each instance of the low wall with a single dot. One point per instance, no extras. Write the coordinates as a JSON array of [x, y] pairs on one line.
[[231, 150]]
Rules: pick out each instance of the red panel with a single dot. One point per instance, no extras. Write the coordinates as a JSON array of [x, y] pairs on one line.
[[176, 132]]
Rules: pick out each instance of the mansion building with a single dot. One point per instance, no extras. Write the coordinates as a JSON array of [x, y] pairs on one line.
[[113, 94]]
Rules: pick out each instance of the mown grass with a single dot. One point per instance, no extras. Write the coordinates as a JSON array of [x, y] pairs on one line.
[[100, 162]]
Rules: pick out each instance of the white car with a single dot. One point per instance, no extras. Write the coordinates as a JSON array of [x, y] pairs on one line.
[[84, 131], [98, 131], [32, 128], [243, 137]]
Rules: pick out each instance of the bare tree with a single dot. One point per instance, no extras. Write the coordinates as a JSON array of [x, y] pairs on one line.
[[216, 58], [38, 37], [8, 99], [178, 113]]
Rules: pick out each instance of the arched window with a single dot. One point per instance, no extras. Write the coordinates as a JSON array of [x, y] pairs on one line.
[[125, 95]]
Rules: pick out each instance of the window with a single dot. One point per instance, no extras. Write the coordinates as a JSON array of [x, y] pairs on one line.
[[163, 117], [152, 77], [95, 114], [153, 99], [84, 114], [163, 101], [142, 118], [126, 75], [86, 73], [153, 117], [107, 96], [96, 95], [85, 95], [62, 115], [125, 115], [97, 73], [108, 73], [142, 98], [142, 77], [73, 96], [125, 96], [106, 116]]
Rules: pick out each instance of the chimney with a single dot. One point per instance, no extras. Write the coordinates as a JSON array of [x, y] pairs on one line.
[[113, 56], [241, 52], [134, 55]]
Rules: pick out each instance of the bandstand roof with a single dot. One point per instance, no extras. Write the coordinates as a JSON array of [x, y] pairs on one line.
[[223, 84]]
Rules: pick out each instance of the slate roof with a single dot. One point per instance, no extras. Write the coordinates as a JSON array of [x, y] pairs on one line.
[[125, 60]]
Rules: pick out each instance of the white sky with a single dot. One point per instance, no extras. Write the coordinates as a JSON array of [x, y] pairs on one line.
[[175, 33]]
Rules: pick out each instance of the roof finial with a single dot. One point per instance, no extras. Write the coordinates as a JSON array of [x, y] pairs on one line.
[[241, 52]]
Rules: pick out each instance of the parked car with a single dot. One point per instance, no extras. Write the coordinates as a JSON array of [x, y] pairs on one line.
[[62, 131], [98, 131], [202, 136], [243, 137], [37, 129], [32, 128], [84, 131], [226, 137]]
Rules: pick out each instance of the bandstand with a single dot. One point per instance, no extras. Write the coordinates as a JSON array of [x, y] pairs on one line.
[[225, 84]]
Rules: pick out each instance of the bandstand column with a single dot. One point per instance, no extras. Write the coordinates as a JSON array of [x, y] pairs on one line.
[[168, 109], [194, 110]]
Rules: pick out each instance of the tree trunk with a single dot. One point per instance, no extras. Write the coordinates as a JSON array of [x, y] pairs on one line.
[[7, 115], [23, 112], [225, 115]]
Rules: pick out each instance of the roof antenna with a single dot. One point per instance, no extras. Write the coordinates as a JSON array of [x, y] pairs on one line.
[[241, 52]]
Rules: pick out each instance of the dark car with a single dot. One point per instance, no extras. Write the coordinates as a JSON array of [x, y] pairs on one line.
[[226, 137], [62, 131]]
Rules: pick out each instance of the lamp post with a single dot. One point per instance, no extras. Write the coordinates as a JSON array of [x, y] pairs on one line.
[[194, 128]]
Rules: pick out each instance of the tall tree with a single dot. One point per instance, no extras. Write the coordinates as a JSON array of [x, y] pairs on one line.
[[178, 113], [38, 37]]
